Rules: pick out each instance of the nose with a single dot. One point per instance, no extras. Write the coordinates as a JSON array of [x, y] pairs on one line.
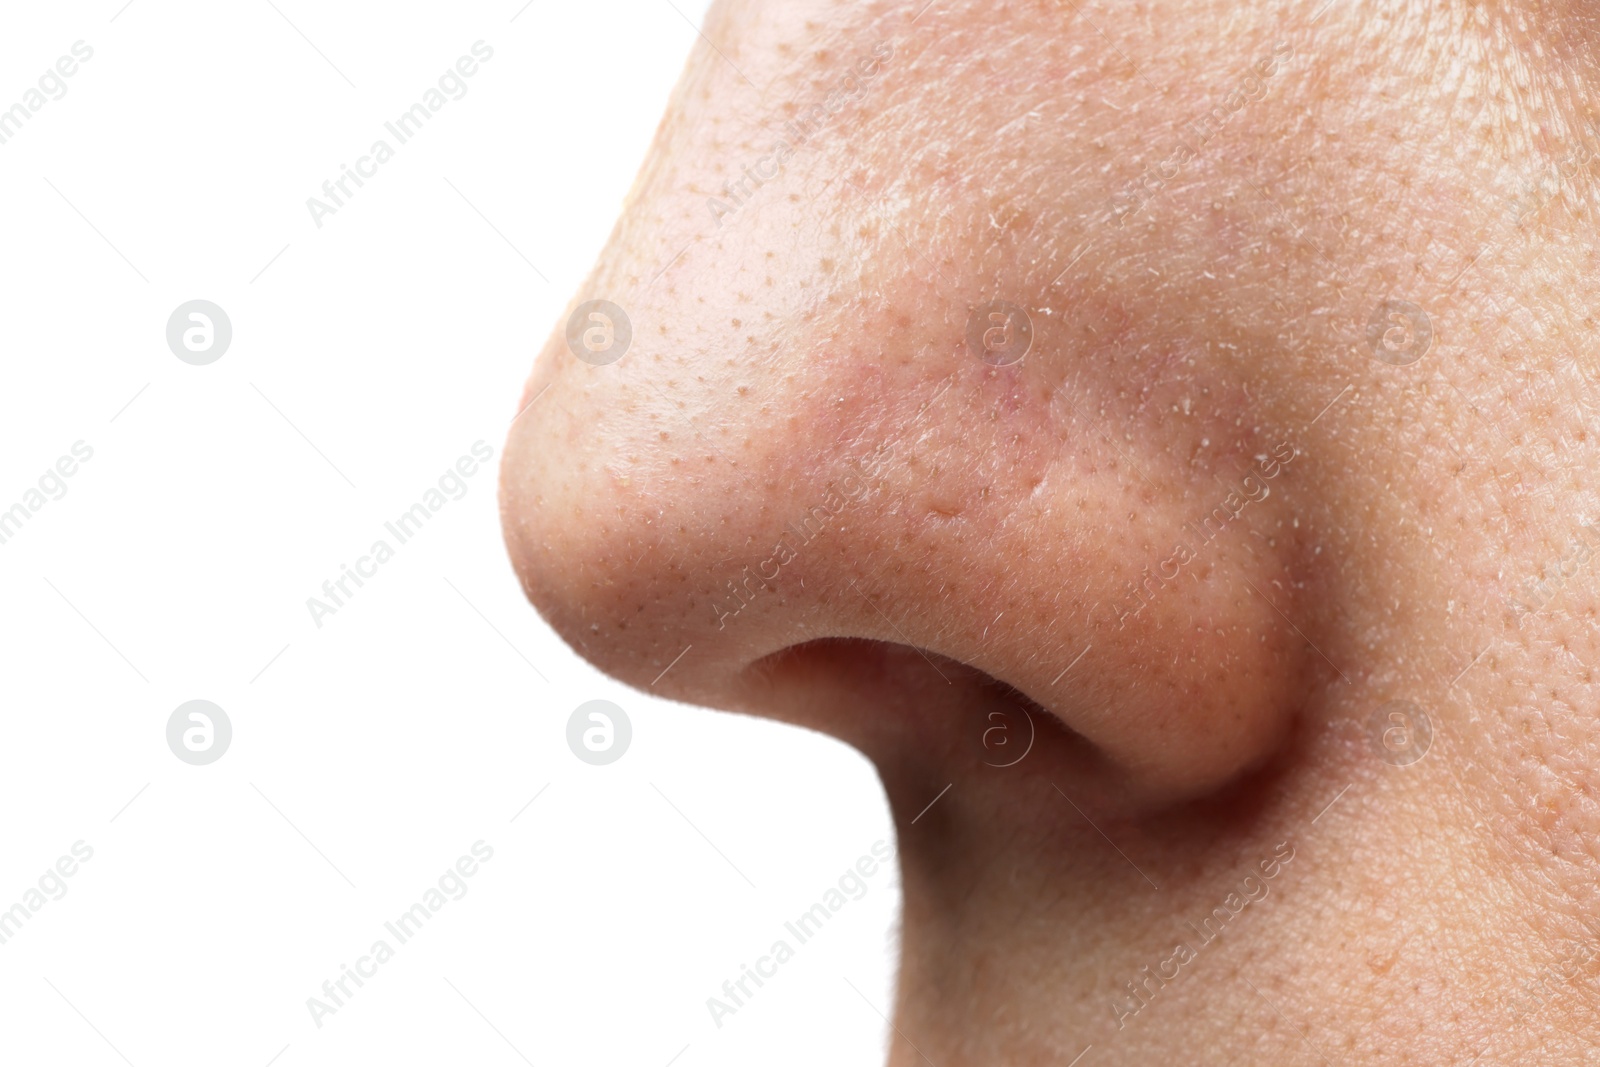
[[855, 522], [863, 465]]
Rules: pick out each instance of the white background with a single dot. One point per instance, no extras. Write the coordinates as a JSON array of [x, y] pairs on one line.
[[370, 753]]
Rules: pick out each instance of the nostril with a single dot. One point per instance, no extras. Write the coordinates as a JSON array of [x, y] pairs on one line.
[[914, 711], [1119, 736]]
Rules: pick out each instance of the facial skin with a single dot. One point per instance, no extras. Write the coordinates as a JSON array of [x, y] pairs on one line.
[[1328, 531]]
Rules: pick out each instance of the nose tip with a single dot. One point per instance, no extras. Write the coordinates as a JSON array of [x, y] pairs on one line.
[[740, 539], [638, 536]]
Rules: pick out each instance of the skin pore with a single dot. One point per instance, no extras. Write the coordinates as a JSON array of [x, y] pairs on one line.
[[1301, 431]]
